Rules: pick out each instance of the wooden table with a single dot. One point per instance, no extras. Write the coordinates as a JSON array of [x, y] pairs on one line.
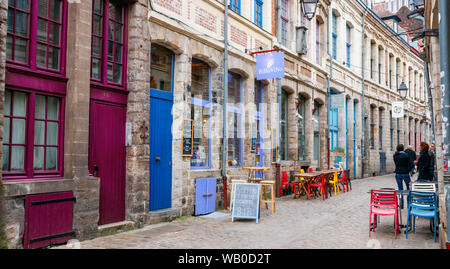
[[252, 171], [307, 179]]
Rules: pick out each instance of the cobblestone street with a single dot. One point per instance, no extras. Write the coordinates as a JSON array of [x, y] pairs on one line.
[[339, 222]]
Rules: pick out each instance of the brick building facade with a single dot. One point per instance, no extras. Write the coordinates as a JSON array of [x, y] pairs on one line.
[[136, 72]]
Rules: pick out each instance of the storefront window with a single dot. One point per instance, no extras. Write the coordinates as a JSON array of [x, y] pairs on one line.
[[234, 120], [161, 68], [200, 113]]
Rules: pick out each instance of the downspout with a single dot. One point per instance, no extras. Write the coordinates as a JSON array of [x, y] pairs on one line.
[[430, 102], [278, 172], [225, 101], [444, 42], [328, 86], [363, 155]]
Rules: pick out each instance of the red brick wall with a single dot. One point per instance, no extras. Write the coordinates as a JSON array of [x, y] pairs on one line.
[[172, 5], [238, 36], [205, 19]]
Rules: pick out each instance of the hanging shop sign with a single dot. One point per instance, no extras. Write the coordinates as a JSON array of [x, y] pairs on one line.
[[397, 110], [270, 65]]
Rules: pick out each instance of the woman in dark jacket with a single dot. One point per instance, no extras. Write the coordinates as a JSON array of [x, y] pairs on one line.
[[424, 162]]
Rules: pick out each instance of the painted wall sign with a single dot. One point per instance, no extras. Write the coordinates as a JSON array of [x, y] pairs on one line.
[[397, 110], [270, 65], [337, 100], [246, 201], [187, 137]]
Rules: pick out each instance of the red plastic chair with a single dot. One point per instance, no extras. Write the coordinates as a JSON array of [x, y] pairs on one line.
[[319, 183], [285, 182], [383, 203], [343, 180]]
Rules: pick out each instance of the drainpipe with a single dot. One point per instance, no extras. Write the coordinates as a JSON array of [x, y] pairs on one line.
[[278, 172], [328, 86], [225, 101], [444, 42], [430, 103], [330, 76], [363, 155]]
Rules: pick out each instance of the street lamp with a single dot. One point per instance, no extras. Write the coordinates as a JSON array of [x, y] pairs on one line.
[[403, 90], [309, 8]]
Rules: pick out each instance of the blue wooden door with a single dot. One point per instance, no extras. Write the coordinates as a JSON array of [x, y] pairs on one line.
[[160, 149]]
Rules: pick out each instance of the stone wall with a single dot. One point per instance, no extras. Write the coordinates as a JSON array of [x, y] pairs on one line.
[[138, 83], [3, 31]]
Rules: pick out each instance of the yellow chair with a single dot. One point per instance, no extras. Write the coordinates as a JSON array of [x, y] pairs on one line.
[[335, 183]]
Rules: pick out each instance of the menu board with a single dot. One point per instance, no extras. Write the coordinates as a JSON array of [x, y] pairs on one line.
[[274, 145], [254, 136], [246, 201], [187, 137]]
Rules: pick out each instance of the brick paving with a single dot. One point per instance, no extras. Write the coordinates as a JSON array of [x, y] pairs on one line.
[[340, 222]]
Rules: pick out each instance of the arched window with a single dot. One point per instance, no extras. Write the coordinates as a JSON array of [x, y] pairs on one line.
[[234, 128], [316, 125], [301, 127], [201, 114], [161, 71], [284, 153]]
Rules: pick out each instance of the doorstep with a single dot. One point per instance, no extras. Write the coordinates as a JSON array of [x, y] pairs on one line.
[[116, 227], [163, 215]]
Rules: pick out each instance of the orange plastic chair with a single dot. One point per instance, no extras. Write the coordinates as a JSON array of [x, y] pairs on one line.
[[285, 182], [383, 203]]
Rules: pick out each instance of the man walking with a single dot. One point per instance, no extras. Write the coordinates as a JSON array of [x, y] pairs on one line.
[[412, 156], [403, 166]]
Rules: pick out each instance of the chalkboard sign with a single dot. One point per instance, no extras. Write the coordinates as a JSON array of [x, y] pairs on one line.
[[246, 201], [187, 137], [274, 146], [254, 136]]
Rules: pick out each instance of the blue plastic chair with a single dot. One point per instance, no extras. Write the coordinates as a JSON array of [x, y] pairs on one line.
[[422, 205]]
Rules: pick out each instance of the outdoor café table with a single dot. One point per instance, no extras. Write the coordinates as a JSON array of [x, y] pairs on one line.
[[308, 177], [253, 171]]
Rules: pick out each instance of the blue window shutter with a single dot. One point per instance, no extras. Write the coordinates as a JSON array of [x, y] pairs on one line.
[[200, 200], [211, 198]]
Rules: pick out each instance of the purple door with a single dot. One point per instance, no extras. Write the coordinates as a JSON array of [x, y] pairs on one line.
[[107, 158]]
